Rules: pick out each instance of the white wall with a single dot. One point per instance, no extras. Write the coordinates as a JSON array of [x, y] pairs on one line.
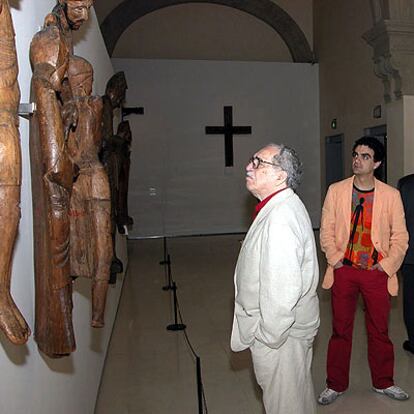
[[31, 382], [178, 181]]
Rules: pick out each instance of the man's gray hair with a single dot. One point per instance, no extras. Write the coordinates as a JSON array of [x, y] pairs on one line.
[[287, 159]]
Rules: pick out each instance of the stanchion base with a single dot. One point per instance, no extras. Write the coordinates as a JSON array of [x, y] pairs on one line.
[[176, 327], [167, 287]]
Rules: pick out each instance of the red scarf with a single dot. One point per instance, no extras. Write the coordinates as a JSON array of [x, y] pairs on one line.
[[260, 205]]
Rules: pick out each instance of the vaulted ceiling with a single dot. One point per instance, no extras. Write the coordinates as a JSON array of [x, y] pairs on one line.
[[204, 29]]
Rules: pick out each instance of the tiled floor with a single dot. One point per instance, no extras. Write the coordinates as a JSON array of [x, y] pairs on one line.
[[150, 370]]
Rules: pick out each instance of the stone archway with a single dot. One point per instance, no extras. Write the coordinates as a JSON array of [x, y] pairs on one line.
[[129, 11]]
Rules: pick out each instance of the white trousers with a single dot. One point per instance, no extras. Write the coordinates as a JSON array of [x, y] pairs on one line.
[[285, 377]]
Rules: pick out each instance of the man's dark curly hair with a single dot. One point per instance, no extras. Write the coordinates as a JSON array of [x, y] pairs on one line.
[[374, 144]]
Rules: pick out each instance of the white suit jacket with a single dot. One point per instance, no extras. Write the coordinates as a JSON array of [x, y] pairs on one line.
[[276, 277]]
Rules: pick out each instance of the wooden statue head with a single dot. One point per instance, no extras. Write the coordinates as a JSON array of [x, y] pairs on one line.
[[116, 89], [76, 11], [80, 75]]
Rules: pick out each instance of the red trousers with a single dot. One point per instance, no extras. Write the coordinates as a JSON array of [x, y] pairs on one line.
[[372, 284]]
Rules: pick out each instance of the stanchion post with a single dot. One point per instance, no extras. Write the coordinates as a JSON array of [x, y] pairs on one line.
[[175, 326], [199, 386], [166, 258], [169, 278]]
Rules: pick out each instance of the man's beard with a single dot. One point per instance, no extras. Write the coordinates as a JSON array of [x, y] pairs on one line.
[[72, 25]]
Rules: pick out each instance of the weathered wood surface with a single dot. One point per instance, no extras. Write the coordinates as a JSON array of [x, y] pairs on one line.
[[90, 208], [112, 100], [52, 175], [124, 163], [12, 322]]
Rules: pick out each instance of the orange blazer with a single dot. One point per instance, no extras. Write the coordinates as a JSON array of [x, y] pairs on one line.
[[389, 233]]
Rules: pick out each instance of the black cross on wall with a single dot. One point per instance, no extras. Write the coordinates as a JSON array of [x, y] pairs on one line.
[[228, 130], [136, 110]]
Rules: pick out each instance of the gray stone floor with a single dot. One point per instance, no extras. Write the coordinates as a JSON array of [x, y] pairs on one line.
[[150, 370]]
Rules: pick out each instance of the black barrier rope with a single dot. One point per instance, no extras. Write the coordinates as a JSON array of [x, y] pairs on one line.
[[175, 326], [201, 397]]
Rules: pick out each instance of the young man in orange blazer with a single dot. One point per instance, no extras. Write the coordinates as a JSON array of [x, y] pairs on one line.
[[364, 237]]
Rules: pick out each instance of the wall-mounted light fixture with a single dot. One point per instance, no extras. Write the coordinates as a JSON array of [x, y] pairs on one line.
[[333, 123]]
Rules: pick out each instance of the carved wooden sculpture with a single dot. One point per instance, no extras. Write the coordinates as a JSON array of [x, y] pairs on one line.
[[113, 98], [51, 184], [90, 207], [12, 322], [52, 175], [124, 162]]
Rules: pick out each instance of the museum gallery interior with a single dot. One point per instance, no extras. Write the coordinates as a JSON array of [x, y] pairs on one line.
[[126, 127]]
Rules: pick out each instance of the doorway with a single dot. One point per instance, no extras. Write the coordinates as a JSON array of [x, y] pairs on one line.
[[334, 159]]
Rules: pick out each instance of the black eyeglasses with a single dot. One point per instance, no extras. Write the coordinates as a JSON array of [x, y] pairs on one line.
[[256, 161]]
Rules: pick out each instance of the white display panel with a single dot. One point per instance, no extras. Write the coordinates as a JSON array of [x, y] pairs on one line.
[[178, 182]]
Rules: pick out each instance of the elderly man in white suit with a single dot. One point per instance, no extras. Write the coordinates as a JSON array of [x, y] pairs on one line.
[[276, 311]]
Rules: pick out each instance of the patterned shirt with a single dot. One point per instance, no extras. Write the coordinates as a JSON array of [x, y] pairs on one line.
[[360, 252]]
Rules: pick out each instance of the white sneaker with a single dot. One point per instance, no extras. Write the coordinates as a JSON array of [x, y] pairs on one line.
[[393, 392], [328, 396]]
